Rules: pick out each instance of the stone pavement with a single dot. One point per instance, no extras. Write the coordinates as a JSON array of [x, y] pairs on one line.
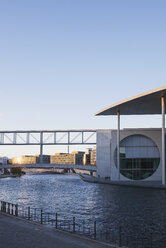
[[19, 233]]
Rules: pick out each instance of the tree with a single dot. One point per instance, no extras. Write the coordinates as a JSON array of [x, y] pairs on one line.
[[16, 171]]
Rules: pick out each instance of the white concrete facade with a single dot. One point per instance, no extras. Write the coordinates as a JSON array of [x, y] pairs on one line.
[[107, 144]]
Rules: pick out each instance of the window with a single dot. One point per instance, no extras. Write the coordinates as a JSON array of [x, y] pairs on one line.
[[139, 157]]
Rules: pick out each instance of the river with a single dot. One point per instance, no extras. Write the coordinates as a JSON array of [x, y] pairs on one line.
[[134, 209]]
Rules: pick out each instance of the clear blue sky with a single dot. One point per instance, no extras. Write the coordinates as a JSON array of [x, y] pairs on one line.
[[63, 60]]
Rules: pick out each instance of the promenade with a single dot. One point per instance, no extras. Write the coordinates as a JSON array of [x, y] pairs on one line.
[[19, 233]]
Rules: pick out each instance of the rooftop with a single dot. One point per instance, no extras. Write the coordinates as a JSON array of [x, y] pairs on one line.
[[148, 103]]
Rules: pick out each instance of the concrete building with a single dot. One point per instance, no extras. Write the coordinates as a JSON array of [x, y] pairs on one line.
[[67, 158], [133, 154]]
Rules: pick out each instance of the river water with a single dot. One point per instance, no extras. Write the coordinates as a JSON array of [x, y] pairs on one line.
[[134, 209]]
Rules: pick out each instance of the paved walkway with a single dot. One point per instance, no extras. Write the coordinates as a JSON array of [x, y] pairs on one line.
[[137, 184], [18, 233]]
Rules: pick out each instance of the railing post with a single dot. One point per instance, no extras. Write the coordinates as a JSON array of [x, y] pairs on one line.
[[16, 210], [12, 208], [94, 229], [8, 208], [151, 240], [29, 213], [41, 217], [74, 223], [2, 206], [5, 207], [56, 221], [120, 237]]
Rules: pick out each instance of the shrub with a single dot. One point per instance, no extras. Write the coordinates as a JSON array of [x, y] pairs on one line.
[[16, 170]]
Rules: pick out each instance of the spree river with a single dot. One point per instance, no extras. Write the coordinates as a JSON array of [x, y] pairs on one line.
[[134, 209]]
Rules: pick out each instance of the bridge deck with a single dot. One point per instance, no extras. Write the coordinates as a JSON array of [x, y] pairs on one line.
[[45, 166]]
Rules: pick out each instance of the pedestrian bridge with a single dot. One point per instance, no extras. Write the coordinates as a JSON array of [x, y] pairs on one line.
[[91, 168]]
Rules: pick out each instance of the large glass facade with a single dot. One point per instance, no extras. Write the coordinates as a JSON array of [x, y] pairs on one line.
[[139, 157]]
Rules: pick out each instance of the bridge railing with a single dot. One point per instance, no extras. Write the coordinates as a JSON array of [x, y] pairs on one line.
[[48, 137]]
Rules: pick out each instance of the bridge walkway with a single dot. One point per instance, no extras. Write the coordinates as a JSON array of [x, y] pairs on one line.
[[56, 166]]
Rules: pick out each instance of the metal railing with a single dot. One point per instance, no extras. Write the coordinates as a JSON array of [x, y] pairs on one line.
[[117, 236]]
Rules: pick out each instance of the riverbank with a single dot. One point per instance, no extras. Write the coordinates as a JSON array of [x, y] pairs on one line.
[[140, 184], [17, 233], [8, 175]]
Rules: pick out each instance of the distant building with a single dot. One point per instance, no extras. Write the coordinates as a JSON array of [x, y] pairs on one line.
[[24, 160], [3, 160], [46, 159], [67, 158], [93, 156], [86, 158], [78, 157]]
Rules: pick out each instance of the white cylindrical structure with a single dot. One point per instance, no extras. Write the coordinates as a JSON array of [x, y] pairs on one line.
[[163, 138], [118, 145]]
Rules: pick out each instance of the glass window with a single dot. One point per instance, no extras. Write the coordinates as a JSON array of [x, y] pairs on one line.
[[139, 157]]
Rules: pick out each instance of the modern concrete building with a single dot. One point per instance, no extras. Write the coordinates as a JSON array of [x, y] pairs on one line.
[[133, 154]]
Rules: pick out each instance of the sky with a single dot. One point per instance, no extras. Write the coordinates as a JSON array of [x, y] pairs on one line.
[[63, 60]]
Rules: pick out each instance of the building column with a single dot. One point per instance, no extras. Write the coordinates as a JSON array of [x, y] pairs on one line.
[[118, 145], [41, 147], [163, 138], [68, 147]]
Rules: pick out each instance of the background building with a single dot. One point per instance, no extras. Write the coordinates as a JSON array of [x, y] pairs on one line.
[[3, 160], [24, 160], [67, 158], [46, 159], [86, 158], [93, 156]]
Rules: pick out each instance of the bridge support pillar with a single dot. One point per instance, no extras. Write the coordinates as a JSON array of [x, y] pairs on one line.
[[118, 145], [41, 148]]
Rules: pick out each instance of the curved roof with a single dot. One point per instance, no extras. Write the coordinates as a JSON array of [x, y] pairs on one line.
[[147, 103]]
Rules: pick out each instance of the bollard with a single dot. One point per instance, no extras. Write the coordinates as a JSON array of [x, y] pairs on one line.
[[74, 224], [56, 221], [41, 217], [94, 229], [16, 210], [29, 213], [120, 237]]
